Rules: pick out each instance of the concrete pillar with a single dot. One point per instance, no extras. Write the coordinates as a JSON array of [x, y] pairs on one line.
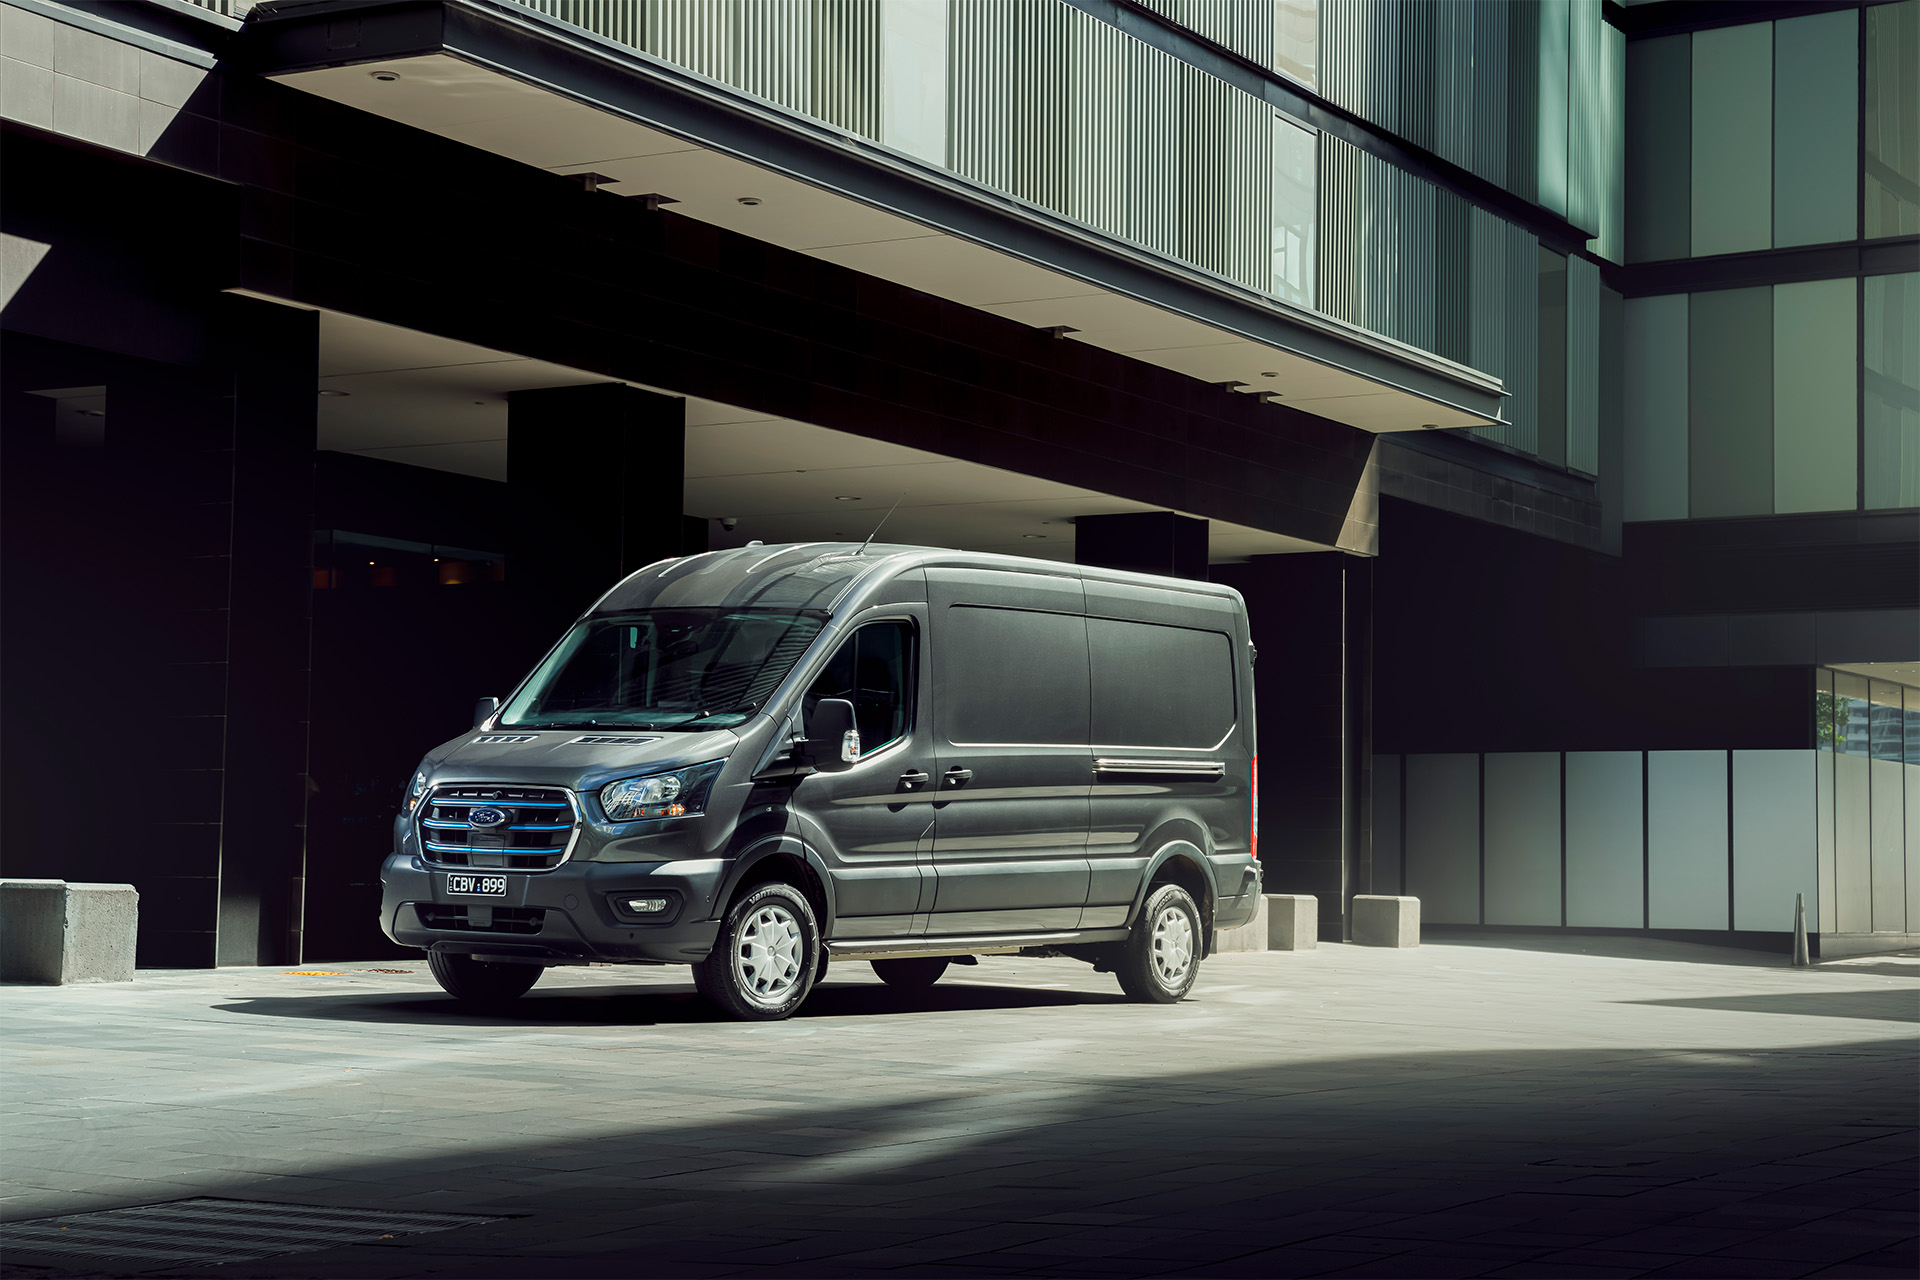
[[596, 477], [271, 353], [1144, 542], [1312, 621]]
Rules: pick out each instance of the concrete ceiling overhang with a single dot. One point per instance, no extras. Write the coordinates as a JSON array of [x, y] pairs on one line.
[[507, 80], [426, 400]]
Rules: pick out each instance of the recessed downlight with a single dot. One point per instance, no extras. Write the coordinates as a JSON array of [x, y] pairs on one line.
[[385, 77], [844, 498], [750, 200], [331, 392]]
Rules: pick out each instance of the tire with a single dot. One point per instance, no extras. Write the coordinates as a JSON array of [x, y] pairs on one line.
[[1161, 957], [766, 958], [477, 982], [911, 973]]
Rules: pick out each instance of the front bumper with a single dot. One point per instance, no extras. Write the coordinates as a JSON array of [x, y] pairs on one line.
[[566, 915]]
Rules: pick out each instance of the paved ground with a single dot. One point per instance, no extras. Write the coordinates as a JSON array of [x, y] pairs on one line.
[[1486, 1107]]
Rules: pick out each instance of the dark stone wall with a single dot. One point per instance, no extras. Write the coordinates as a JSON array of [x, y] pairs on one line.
[[1489, 640]]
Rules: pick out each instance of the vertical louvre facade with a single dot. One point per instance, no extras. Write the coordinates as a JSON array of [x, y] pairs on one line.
[[1516, 93], [1056, 107]]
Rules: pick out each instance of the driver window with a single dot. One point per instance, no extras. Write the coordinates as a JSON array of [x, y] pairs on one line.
[[870, 670]]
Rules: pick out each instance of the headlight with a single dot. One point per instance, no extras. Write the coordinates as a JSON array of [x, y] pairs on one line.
[[419, 789], [660, 795]]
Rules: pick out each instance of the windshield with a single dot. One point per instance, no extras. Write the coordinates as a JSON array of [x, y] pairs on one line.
[[664, 669]]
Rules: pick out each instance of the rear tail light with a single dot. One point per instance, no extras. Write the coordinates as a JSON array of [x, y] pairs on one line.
[[1255, 844]]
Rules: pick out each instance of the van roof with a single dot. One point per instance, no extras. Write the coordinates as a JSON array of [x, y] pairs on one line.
[[818, 575]]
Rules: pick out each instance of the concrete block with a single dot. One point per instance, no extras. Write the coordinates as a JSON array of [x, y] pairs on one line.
[[1381, 921], [1293, 921], [57, 933], [1251, 936]]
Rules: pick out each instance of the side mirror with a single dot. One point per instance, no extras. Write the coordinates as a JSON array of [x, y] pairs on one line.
[[483, 710], [833, 742]]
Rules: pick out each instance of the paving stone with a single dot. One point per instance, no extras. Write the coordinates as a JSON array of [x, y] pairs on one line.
[[1482, 1106]]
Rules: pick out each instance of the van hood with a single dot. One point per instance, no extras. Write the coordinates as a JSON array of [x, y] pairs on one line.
[[583, 760]]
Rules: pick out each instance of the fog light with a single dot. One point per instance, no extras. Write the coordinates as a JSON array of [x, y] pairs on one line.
[[646, 906]]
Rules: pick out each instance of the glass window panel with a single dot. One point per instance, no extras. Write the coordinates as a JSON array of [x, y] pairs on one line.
[[1814, 437], [1730, 403], [1659, 154], [1890, 374], [1293, 187], [1851, 713], [1913, 727], [1296, 39], [913, 77], [1891, 183], [1656, 408], [1816, 76], [1885, 726], [1826, 717], [1732, 139]]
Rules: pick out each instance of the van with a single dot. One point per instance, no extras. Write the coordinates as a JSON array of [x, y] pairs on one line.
[[760, 760]]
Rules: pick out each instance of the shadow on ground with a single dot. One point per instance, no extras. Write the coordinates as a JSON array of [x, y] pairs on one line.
[[1607, 1161], [1889, 1004], [654, 1005]]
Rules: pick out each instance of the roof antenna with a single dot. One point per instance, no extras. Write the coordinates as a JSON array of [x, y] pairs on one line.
[[883, 520]]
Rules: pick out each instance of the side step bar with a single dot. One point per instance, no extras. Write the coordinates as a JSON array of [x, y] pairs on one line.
[[990, 944]]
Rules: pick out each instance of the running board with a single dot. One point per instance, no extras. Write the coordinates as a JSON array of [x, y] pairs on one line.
[[988, 944]]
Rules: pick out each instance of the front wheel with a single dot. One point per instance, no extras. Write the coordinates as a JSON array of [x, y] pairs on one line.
[[1161, 957], [478, 982], [767, 956]]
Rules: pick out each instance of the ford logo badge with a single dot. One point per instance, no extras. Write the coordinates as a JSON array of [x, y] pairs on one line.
[[484, 817]]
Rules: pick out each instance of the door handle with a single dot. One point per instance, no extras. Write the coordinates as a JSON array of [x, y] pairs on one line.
[[913, 778], [957, 776]]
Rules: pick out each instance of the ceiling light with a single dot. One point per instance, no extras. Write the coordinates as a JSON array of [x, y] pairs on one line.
[[1269, 375], [1034, 537], [1429, 426], [385, 77], [749, 200], [844, 498], [331, 392], [92, 413]]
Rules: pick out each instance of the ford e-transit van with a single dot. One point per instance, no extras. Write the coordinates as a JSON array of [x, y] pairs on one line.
[[751, 761]]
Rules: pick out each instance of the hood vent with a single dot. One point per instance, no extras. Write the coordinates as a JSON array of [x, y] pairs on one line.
[[607, 740], [501, 739]]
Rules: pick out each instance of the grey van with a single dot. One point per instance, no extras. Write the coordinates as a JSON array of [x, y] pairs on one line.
[[753, 761]]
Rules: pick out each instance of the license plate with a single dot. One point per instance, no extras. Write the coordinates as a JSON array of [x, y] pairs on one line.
[[479, 886]]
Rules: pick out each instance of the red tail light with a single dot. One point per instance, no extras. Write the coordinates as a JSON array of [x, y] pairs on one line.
[[1256, 807]]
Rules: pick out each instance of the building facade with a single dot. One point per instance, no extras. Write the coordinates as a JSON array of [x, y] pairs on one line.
[[1546, 375]]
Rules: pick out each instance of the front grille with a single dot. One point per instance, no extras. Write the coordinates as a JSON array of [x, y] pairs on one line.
[[538, 828], [481, 919]]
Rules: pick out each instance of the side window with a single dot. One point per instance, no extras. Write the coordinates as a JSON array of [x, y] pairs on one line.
[[1013, 675], [872, 669], [1159, 686]]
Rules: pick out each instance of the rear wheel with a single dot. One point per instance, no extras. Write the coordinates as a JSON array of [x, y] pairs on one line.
[[1162, 954], [911, 973], [767, 957], [478, 982]]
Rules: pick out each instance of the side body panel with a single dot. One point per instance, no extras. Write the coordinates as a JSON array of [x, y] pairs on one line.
[[1013, 769]]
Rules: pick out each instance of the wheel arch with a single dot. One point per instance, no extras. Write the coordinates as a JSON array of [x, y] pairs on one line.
[[780, 856], [1180, 861]]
